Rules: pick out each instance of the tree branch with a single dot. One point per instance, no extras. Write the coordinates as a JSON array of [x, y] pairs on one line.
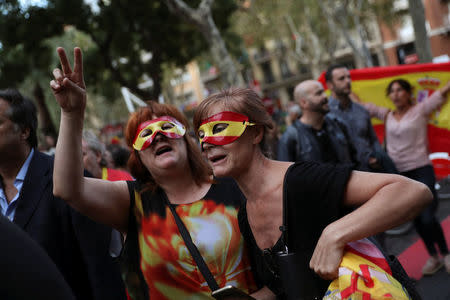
[[340, 20], [46, 121], [182, 10], [333, 36], [298, 53], [104, 47], [363, 36], [203, 20], [205, 7]]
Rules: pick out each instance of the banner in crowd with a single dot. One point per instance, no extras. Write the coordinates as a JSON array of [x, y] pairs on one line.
[[369, 85]]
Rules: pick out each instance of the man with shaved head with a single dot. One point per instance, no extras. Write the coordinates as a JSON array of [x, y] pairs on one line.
[[315, 136]]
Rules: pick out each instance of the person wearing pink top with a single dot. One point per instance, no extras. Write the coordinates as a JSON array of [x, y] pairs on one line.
[[407, 145]]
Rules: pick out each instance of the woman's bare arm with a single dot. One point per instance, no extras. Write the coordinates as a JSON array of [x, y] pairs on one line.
[[384, 200], [103, 201]]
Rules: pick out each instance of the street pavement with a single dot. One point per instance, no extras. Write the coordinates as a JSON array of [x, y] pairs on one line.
[[437, 286]]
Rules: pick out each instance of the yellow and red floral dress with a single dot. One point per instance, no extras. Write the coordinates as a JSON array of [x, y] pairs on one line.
[[156, 263]]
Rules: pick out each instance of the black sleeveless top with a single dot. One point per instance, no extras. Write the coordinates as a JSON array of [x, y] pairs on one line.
[[314, 193]]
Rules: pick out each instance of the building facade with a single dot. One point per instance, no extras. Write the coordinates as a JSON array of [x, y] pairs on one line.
[[398, 42], [274, 71]]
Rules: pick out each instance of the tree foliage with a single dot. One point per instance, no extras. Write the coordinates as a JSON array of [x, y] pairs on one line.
[[315, 29], [124, 43], [130, 40], [202, 18]]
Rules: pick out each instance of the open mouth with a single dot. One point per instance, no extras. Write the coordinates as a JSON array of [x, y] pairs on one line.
[[216, 158], [163, 150]]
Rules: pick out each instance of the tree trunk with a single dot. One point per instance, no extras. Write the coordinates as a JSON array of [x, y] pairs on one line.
[[340, 18], [313, 61], [155, 74], [421, 41], [202, 19], [229, 73], [47, 126], [362, 36], [317, 55]]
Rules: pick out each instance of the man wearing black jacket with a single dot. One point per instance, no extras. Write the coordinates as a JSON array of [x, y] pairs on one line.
[[315, 136], [77, 245]]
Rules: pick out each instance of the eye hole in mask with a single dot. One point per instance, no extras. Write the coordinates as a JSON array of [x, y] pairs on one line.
[[148, 130], [223, 128]]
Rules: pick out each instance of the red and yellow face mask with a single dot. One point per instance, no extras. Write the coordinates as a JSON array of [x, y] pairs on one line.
[[148, 130], [223, 128]]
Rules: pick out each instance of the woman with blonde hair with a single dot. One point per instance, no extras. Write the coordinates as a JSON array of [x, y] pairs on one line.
[[231, 126]]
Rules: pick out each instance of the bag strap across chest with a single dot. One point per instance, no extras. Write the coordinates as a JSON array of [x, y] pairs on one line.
[[201, 264]]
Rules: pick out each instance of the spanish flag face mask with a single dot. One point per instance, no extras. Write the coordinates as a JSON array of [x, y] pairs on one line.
[[148, 130], [223, 128]]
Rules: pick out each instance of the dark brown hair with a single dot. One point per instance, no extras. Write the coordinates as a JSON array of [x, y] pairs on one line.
[[22, 112], [241, 100], [197, 164], [404, 84], [329, 72]]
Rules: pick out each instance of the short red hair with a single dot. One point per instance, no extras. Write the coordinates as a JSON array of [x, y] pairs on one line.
[[198, 166]]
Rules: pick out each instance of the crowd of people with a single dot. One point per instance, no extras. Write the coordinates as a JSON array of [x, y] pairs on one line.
[[169, 216]]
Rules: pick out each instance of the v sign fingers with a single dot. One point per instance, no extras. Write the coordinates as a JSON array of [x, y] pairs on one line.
[[68, 86], [65, 65], [77, 74], [78, 66]]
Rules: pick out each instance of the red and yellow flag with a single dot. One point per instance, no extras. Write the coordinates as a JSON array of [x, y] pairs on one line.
[[364, 274], [370, 84]]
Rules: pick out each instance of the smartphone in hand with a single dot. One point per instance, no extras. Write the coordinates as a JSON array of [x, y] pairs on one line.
[[230, 292]]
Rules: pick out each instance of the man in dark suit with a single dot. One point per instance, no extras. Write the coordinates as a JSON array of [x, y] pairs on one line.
[[78, 246], [39, 280]]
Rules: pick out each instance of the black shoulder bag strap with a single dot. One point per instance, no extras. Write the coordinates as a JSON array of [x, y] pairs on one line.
[[298, 138], [293, 267], [202, 266], [284, 226]]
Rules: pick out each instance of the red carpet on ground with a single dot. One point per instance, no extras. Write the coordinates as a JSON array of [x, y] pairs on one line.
[[415, 256]]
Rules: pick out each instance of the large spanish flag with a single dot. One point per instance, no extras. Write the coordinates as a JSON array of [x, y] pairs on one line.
[[369, 85]]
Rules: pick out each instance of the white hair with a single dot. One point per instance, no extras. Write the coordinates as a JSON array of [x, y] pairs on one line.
[[93, 142]]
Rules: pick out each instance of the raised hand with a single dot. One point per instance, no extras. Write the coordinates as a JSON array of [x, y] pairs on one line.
[[445, 89], [68, 85]]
